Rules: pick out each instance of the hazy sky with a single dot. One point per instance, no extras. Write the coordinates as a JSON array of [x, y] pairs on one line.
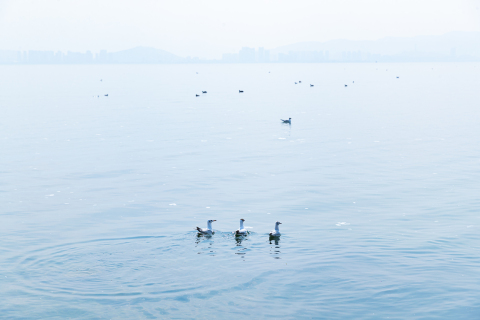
[[209, 28]]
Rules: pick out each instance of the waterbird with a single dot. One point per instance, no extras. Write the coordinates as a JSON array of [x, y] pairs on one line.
[[204, 91], [240, 91], [197, 95], [311, 85], [299, 81], [208, 230], [276, 232], [398, 77], [295, 83], [287, 121], [346, 86], [106, 95], [241, 231]]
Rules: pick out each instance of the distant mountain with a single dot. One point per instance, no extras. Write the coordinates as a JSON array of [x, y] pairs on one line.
[[144, 55], [466, 44]]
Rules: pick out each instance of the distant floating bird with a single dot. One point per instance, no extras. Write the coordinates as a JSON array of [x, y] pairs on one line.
[[240, 91], [295, 83], [299, 81], [197, 95], [208, 230], [311, 85], [287, 121], [106, 95], [241, 231], [204, 91], [398, 77], [346, 85], [353, 81], [276, 232]]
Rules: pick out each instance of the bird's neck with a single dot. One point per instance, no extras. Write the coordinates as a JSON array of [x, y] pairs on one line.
[[209, 226], [241, 224], [276, 227]]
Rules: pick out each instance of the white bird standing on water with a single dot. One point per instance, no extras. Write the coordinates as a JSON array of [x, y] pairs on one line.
[[241, 231], [276, 232], [208, 230]]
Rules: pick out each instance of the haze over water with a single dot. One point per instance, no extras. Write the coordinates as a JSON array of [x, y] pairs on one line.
[[376, 185]]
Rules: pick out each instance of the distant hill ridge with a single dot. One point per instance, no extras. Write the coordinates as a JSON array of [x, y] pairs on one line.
[[457, 42], [144, 55], [452, 46]]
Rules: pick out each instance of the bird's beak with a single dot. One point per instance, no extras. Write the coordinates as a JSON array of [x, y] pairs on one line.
[[214, 220], [279, 223]]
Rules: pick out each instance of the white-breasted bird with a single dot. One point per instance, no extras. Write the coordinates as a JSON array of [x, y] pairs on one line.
[[208, 230], [276, 232], [241, 231], [287, 121]]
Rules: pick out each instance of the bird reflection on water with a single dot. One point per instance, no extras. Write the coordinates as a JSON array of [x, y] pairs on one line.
[[239, 239], [207, 239], [201, 236], [241, 248], [275, 249]]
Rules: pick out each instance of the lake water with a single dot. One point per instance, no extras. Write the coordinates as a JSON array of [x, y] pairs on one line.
[[376, 184]]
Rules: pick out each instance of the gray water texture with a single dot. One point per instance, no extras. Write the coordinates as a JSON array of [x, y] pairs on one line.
[[376, 184]]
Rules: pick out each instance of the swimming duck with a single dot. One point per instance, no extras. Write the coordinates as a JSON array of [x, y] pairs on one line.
[[241, 231], [208, 230], [276, 232]]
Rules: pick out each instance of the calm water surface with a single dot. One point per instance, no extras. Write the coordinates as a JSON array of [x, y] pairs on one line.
[[376, 184]]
